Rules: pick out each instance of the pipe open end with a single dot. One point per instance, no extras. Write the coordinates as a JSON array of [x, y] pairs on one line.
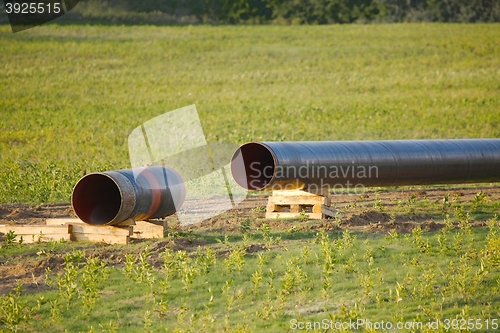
[[253, 166], [96, 199]]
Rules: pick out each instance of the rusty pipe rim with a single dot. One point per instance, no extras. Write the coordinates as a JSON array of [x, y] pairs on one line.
[[103, 198]]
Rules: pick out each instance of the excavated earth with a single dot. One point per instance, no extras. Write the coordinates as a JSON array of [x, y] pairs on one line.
[[29, 267]]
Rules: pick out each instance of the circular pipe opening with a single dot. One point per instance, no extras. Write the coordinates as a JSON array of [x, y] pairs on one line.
[[96, 199], [253, 166]]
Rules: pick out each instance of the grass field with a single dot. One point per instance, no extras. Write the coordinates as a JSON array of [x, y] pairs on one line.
[[71, 94], [275, 276]]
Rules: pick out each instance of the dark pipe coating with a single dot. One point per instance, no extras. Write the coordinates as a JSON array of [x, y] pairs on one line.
[[332, 164]]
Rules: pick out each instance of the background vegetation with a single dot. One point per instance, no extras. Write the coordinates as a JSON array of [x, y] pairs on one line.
[[71, 94], [288, 12]]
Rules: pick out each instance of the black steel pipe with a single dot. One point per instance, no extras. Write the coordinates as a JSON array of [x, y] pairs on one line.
[[112, 197], [336, 164]]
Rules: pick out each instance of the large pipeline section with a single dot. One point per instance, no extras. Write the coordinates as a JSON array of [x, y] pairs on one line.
[[337, 164], [112, 197]]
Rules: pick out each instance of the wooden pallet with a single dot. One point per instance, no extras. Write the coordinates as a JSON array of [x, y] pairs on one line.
[[296, 203], [147, 230], [136, 229], [71, 229], [38, 233], [100, 234], [81, 231]]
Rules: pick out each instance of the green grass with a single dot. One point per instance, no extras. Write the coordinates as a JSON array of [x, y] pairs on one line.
[[372, 276], [307, 274], [71, 94]]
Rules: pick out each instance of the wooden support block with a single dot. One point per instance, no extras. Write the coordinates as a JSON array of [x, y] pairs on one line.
[[82, 227], [62, 221], [37, 233], [114, 234], [101, 230], [287, 215], [104, 234], [274, 207], [287, 200], [108, 239], [147, 230], [30, 239], [70, 220], [327, 210], [297, 201], [295, 193], [317, 208], [34, 229]]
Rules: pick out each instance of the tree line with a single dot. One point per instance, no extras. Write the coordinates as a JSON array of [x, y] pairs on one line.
[[309, 11]]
